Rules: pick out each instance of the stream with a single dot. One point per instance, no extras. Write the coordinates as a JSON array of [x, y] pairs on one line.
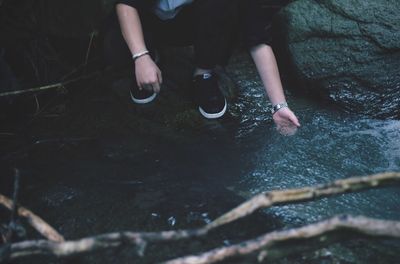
[[107, 166]]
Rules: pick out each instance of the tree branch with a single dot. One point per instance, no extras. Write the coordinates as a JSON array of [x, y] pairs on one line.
[[352, 225], [95, 243], [112, 240], [269, 199], [35, 221]]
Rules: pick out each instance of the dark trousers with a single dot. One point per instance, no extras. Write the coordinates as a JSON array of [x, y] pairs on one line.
[[208, 25]]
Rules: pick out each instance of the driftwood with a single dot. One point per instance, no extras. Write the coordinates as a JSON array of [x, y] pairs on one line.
[[35, 221], [369, 227], [359, 225]]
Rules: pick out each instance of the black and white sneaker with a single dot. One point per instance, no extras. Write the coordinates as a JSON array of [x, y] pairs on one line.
[[212, 103], [141, 96]]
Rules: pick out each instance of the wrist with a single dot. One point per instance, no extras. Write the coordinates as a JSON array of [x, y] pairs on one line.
[[278, 107], [139, 55]]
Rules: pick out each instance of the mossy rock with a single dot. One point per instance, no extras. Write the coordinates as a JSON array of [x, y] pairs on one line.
[[346, 51]]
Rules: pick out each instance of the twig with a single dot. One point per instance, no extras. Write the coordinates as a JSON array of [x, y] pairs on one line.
[[37, 89], [48, 87], [35, 221], [92, 35], [351, 225], [14, 214]]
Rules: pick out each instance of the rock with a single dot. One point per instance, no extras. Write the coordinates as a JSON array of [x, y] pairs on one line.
[[347, 51]]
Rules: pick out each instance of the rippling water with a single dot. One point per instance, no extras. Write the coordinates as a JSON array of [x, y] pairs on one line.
[[330, 145]]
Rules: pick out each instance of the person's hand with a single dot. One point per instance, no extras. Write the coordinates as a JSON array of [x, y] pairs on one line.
[[148, 75], [286, 121]]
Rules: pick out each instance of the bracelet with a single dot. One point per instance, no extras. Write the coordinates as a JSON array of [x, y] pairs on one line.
[[140, 54], [277, 107]]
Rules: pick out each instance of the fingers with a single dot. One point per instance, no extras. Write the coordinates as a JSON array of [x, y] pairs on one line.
[[139, 85], [289, 116], [159, 77], [285, 119], [294, 120], [148, 75], [156, 87]]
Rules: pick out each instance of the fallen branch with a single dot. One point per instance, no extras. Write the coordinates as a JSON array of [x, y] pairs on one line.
[[35, 221], [91, 244], [357, 225], [273, 198], [95, 243]]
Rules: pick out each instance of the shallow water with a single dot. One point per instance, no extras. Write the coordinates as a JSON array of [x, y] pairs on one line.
[[330, 145], [102, 173]]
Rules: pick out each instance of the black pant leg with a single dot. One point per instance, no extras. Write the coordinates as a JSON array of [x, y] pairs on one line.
[[116, 51]]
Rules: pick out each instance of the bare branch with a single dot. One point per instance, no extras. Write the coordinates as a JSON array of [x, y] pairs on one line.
[[269, 199], [358, 225], [35, 221], [356, 184], [95, 243]]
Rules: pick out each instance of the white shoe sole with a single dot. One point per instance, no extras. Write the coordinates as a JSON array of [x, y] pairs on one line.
[[144, 101], [214, 115]]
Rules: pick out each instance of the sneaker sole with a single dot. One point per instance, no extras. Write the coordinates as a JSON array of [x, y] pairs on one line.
[[144, 101], [213, 115]]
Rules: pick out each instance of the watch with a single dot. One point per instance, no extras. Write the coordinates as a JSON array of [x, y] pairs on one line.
[[277, 107]]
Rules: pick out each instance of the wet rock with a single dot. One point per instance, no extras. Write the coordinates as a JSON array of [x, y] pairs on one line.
[[346, 51]]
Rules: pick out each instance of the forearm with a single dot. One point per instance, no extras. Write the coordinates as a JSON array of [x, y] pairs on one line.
[[267, 67], [131, 28]]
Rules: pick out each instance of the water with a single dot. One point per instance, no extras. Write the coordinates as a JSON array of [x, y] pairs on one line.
[[329, 146], [109, 166]]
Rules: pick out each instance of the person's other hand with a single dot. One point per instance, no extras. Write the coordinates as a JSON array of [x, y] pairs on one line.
[[286, 121], [148, 75]]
